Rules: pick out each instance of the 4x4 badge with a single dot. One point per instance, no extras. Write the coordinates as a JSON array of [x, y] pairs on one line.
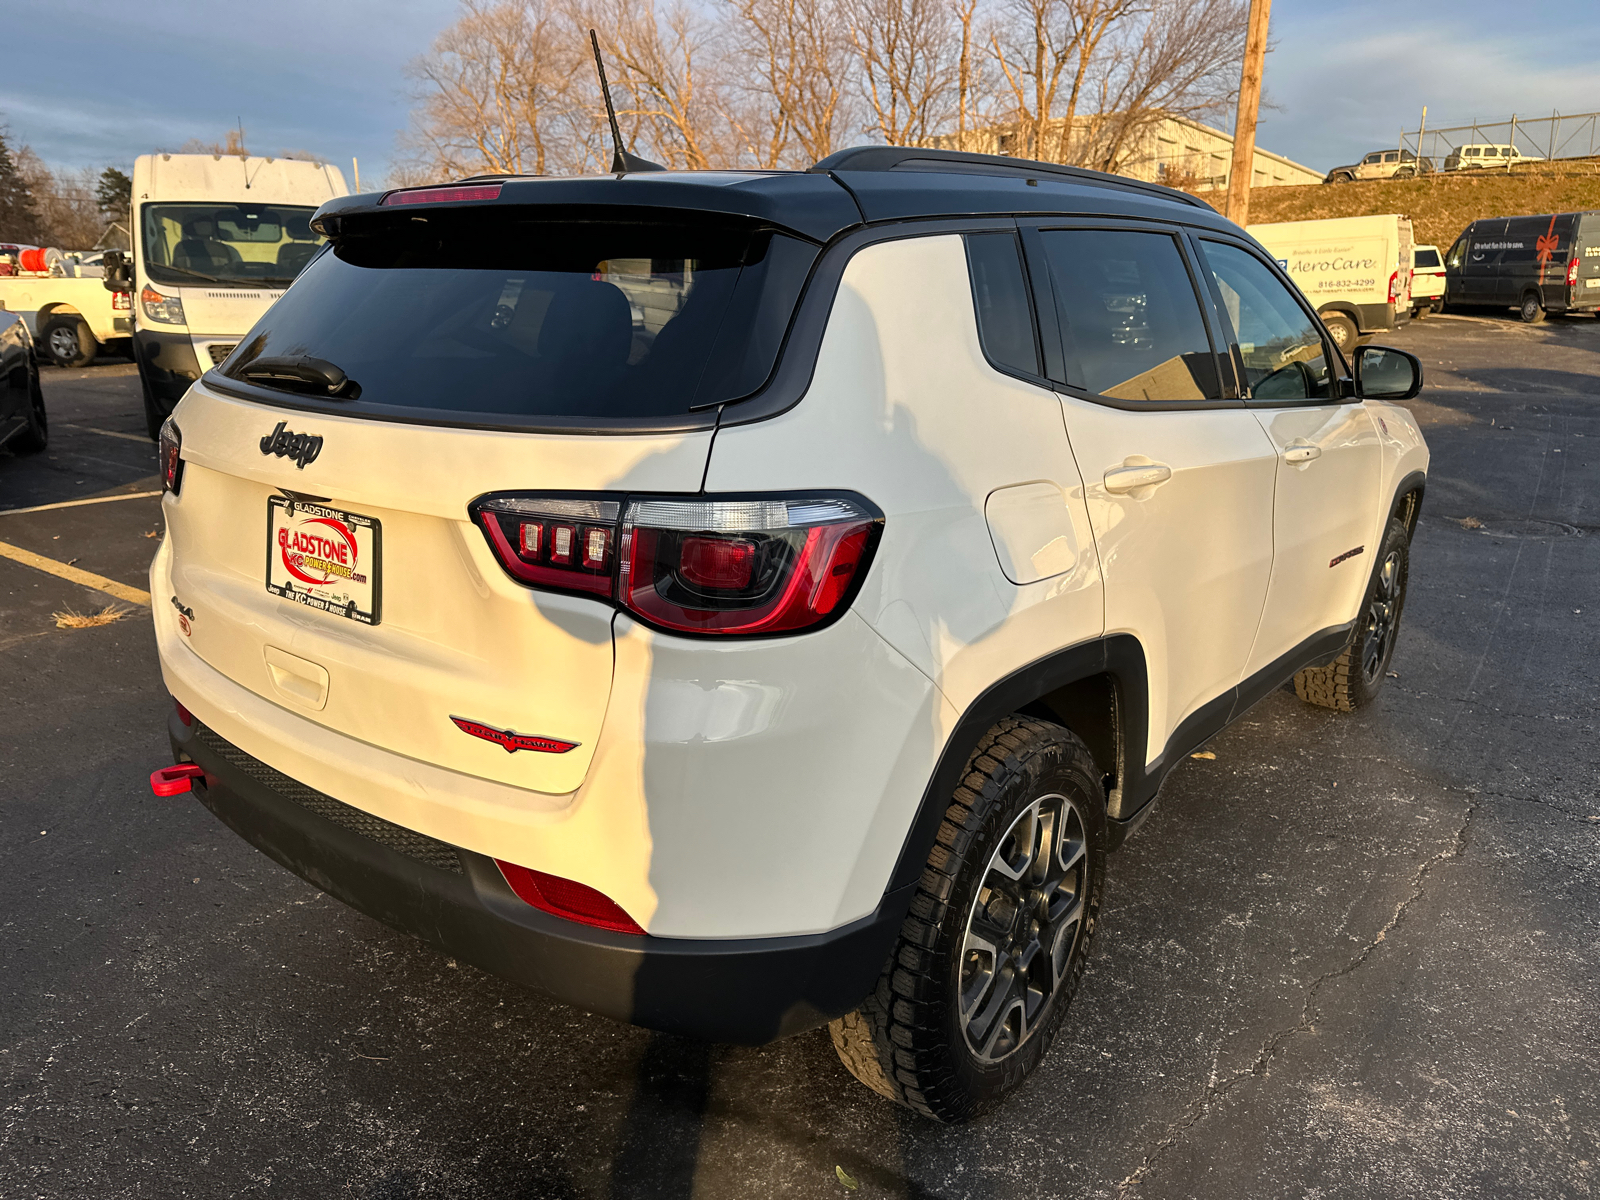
[[302, 447], [510, 741]]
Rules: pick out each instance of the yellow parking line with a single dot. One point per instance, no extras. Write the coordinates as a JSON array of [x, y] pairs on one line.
[[87, 579]]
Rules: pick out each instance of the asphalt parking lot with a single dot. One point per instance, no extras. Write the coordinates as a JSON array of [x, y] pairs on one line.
[[1351, 955]]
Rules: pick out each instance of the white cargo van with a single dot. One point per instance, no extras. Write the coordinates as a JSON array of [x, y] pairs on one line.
[[217, 238], [1356, 270]]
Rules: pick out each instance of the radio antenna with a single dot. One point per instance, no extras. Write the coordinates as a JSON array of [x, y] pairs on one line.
[[621, 161]]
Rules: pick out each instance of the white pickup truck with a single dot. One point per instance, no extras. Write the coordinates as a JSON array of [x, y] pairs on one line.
[[70, 318], [217, 238]]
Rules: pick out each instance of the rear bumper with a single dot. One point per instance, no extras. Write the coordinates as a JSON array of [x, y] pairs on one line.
[[746, 991]]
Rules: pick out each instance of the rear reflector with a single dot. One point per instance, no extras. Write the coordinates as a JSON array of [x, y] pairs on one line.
[[567, 899], [449, 194], [176, 779]]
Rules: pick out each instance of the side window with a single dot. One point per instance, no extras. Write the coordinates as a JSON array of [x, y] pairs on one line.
[[1392, 156], [1000, 294], [1281, 345], [1453, 258], [1131, 326]]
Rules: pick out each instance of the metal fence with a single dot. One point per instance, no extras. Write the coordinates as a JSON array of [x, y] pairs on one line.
[[1558, 136]]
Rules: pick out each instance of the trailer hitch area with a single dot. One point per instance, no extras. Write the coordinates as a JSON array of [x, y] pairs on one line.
[[176, 779]]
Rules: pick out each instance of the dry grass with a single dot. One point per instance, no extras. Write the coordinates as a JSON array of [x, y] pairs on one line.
[[1440, 206], [68, 619]]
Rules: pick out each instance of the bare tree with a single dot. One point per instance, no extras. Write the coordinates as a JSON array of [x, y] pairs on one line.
[[666, 64], [908, 56], [65, 202], [497, 93], [1179, 59], [1047, 44], [785, 104]]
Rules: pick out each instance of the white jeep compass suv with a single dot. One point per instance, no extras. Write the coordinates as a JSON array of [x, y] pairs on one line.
[[738, 602]]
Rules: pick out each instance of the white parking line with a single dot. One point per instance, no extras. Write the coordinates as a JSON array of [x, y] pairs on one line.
[[11, 512], [132, 437]]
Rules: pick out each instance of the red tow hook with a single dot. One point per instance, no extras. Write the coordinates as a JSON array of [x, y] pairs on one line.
[[176, 779]]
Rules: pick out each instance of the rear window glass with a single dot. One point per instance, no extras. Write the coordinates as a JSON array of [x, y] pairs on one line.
[[1131, 325], [516, 315], [1427, 258]]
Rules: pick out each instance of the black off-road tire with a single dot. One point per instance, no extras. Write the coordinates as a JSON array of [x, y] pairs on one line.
[[907, 1041], [1342, 330], [1354, 679], [68, 341], [1531, 309]]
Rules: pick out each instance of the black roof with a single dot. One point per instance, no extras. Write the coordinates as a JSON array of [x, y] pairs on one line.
[[866, 184]]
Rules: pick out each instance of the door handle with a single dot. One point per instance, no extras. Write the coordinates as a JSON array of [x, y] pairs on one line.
[[1299, 453], [1136, 472]]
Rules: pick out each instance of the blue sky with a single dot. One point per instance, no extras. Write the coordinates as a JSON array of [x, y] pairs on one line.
[[95, 82]]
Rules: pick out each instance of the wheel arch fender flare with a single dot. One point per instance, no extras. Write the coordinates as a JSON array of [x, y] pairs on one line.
[[1115, 664], [1406, 503]]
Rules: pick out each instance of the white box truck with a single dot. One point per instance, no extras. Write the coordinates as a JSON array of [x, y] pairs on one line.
[[217, 238], [1355, 270]]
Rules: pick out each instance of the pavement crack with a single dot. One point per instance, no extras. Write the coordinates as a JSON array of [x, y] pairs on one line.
[[1270, 1048]]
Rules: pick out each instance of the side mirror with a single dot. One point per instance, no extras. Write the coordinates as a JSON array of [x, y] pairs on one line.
[[118, 272], [1385, 374]]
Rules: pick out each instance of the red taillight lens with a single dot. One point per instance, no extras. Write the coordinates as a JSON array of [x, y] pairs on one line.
[[1394, 287], [553, 541], [1572, 273], [566, 898], [448, 194], [171, 440], [733, 567], [720, 564]]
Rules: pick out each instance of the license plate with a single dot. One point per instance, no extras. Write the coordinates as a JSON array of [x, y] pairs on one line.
[[1589, 283], [324, 558]]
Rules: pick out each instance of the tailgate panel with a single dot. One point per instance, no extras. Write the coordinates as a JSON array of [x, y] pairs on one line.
[[457, 637]]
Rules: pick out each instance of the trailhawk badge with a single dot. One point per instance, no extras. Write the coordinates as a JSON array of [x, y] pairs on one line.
[[511, 741]]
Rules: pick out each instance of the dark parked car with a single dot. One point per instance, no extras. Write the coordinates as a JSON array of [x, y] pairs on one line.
[[1544, 264], [22, 422]]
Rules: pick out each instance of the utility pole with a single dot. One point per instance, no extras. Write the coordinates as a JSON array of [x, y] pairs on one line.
[[1244, 132]]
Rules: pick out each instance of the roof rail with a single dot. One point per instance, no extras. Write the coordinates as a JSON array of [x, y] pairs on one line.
[[921, 158]]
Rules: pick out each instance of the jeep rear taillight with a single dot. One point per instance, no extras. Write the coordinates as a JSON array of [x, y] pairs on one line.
[[1572, 273], [170, 441], [729, 566]]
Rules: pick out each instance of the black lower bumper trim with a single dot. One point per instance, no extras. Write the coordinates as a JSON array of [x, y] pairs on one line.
[[746, 991]]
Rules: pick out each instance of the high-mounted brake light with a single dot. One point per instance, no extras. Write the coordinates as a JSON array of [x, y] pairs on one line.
[[723, 566], [1572, 273], [171, 457], [567, 898], [449, 194]]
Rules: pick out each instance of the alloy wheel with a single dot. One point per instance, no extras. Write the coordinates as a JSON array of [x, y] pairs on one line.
[[1383, 618], [1025, 923], [63, 344]]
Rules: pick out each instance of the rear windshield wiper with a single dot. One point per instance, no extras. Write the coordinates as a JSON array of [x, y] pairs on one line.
[[313, 376]]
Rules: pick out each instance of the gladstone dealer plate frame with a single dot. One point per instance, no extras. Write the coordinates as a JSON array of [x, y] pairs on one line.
[[325, 558]]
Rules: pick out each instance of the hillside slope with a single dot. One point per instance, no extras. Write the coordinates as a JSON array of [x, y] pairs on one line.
[[1440, 206]]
